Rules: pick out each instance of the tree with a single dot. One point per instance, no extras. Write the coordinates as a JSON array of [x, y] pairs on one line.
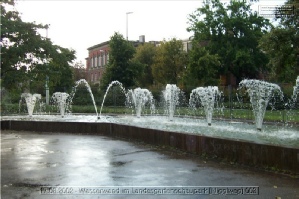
[[27, 58], [231, 33], [170, 62], [120, 66], [79, 71], [145, 55], [202, 68], [282, 44]]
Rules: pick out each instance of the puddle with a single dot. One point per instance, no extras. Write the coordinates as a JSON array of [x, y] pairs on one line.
[[118, 163]]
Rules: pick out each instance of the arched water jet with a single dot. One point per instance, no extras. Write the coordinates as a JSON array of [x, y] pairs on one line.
[[139, 98], [260, 93], [107, 90], [61, 101], [83, 81], [30, 101], [206, 96]]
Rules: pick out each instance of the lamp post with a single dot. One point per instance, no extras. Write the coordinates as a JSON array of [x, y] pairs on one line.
[[127, 22], [47, 89]]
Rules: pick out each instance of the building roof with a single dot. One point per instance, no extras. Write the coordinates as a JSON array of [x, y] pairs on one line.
[[98, 45]]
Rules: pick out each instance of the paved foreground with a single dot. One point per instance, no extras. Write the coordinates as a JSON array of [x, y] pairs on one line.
[[38, 165]]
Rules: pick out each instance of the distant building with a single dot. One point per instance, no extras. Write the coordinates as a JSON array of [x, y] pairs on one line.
[[98, 57], [187, 45]]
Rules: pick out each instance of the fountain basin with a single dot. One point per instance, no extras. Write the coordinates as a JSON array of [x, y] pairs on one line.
[[228, 149]]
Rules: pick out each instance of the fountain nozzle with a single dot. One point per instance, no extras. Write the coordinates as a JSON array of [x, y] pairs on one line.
[[209, 124], [259, 129], [99, 117]]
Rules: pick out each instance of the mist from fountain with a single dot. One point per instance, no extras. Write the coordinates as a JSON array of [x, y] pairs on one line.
[[171, 96], [60, 99], [107, 90], [138, 98], [85, 83], [206, 96], [260, 93], [30, 101]]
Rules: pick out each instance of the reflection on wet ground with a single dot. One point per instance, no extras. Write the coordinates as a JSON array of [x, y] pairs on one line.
[[31, 160]]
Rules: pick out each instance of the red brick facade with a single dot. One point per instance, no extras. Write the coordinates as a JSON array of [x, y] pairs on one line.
[[98, 57]]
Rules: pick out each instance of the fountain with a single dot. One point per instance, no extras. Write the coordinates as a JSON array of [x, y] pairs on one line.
[[30, 101], [83, 81], [139, 98], [295, 91], [234, 141], [260, 93], [60, 99], [107, 90], [206, 96], [171, 98]]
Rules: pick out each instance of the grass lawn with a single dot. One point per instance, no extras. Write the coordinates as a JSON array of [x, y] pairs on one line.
[[225, 113], [273, 116]]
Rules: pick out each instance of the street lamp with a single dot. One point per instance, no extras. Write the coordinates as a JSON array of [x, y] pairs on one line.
[[127, 22], [47, 89]]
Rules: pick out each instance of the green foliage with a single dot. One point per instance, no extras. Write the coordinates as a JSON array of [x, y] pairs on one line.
[[27, 57], [121, 67], [278, 45], [79, 71], [82, 96], [231, 33], [169, 62], [202, 68], [282, 46], [145, 55]]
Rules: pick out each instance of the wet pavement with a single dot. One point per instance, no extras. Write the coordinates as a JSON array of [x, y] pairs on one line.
[[54, 163]]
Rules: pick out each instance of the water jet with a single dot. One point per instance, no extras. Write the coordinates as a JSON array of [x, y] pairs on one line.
[[206, 96], [87, 86], [107, 90], [171, 96], [138, 98], [60, 99], [260, 93], [31, 100]]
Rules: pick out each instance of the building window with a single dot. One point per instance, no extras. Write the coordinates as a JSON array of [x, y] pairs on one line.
[[91, 77], [107, 57], [102, 60], [99, 60], [96, 61], [91, 61]]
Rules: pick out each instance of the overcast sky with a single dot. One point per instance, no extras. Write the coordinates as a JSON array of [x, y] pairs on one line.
[[82, 24]]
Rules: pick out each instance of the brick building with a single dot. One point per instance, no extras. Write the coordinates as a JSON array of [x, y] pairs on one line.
[[98, 57]]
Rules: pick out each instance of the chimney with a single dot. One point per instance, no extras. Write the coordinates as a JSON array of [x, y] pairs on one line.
[[141, 38]]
